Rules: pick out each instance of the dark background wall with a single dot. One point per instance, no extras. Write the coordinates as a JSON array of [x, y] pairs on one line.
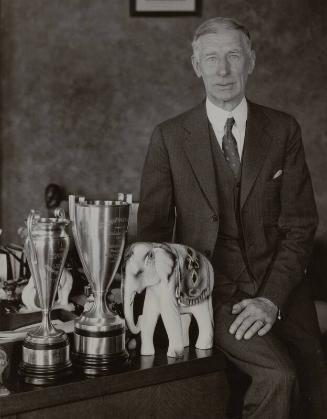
[[83, 85]]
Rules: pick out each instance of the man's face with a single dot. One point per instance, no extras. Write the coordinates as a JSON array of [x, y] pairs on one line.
[[224, 61]]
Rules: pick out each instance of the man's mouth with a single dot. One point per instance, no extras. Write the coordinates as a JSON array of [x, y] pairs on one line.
[[224, 85]]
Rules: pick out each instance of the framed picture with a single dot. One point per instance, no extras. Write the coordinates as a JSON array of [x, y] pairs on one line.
[[165, 7]]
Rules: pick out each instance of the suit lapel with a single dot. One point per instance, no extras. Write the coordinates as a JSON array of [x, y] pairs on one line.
[[256, 147], [198, 149]]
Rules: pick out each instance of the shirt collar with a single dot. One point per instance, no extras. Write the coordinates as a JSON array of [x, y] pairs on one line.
[[217, 116]]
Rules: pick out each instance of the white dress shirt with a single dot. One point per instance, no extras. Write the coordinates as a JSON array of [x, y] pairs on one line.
[[217, 118]]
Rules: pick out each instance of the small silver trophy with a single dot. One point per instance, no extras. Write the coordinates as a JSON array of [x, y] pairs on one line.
[[45, 348], [99, 230]]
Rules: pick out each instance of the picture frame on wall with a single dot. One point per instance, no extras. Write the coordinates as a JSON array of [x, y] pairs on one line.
[[157, 8]]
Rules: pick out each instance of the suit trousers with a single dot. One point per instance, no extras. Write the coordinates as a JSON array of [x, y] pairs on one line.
[[287, 367]]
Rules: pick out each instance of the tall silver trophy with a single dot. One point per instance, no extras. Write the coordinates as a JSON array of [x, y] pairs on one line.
[[45, 348], [99, 229]]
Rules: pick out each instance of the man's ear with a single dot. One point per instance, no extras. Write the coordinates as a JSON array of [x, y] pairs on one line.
[[196, 66], [252, 58]]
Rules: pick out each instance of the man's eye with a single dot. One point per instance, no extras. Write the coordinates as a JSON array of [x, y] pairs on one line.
[[234, 56], [211, 59]]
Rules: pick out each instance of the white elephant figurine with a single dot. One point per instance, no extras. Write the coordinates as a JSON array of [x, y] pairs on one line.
[[179, 283]]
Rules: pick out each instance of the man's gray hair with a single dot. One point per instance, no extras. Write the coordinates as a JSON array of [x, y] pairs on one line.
[[214, 25]]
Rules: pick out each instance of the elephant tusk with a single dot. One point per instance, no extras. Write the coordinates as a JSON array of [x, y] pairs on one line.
[[132, 298]]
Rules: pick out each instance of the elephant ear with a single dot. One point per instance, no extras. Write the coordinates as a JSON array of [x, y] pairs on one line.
[[165, 261]]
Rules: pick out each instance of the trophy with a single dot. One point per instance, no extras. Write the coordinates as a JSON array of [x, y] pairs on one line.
[[99, 230], [45, 348]]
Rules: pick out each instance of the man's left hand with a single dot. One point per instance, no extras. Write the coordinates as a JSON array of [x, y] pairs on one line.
[[255, 316]]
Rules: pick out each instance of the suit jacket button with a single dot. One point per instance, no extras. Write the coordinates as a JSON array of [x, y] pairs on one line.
[[214, 218]]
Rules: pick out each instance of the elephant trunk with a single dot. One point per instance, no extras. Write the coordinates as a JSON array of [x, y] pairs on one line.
[[129, 295]]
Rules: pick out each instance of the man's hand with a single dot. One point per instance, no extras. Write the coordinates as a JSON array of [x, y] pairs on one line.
[[255, 315]]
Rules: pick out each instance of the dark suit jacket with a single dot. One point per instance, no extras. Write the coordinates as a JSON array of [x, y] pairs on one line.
[[277, 215]]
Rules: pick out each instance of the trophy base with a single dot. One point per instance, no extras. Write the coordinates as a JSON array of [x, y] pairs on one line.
[[45, 363], [95, 365], [100, 352], [40, 375]]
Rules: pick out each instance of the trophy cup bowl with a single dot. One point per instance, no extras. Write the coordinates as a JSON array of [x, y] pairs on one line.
[[45, 348], [99, 230]]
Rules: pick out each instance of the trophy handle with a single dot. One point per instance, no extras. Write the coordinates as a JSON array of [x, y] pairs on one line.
[[72, 216], [31, 246]]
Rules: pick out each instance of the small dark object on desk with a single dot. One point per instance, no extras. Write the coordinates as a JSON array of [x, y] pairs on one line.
[[7, 307]]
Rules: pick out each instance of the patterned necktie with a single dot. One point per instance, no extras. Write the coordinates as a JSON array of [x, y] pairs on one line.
[[229, 147]]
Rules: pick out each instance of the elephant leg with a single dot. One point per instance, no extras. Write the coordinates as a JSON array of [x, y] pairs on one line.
[[148, 322], [186, 321], [170, 314], [203, 315]]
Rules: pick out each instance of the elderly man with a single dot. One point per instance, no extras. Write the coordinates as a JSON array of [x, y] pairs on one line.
[[231, 176]]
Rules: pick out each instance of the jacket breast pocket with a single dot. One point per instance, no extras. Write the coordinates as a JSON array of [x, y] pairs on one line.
[[271, 205]]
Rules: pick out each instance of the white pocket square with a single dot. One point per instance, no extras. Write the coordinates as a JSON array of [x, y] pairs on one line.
[[277, 174]]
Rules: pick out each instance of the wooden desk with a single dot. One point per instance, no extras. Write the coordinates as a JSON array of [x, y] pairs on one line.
[[150, 387]]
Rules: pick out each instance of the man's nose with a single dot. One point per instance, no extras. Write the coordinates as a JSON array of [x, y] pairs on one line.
[[222, 67]]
